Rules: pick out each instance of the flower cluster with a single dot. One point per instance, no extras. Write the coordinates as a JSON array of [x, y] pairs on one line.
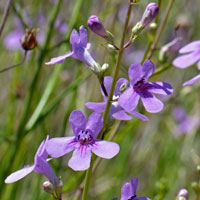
[[124, 102]]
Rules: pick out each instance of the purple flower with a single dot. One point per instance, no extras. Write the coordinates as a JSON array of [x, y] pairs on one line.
[[149, 14], [116, 111], [40, 166], [191, 55], [83, 143], [128, 191], [79, 51], [186, 124], [96, 26], [140, 88], [183, 194]]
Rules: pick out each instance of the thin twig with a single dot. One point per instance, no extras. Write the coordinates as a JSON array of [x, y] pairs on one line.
[[5, 16], [16, 65], [160, 30]]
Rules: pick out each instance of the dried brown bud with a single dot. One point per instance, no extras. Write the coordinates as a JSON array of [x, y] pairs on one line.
[[28, 40]]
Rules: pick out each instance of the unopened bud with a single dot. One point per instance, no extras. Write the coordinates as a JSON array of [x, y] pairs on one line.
[[28, 40], [48, 187], [149, 14], [165, 49], [183, 194], [96, 26], [110, 46], [104, 67]]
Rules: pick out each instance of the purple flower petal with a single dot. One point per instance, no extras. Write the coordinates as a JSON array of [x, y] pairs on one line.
[[129, 99], [192, 81], [134, 185], [59, 59], [141, 198], [126, 192], [160, 88], [105, 149], [12, 40], [77, 121], [186, 60], [107, 83], [19, 174], [42, 166], [97, 107], [95, 124], [135, 73], [60, 146], [148, 69], [121, 115], [41, 152], [83, 36], [118, 85], [80, 159], [74, 38], [195, 45], [151, 103], [139, 115], [83, 55], [198, 65]]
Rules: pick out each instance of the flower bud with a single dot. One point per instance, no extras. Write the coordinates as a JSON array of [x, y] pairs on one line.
[[183, 194], [104, 67], [48, 187], [149, 14], [96, 26], [28, 40]]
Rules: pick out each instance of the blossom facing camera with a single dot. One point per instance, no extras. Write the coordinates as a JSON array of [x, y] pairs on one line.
[[28, 40], [140, 88], [191, 55], [40, 165], [116, 111], [79, 51], [128, 191], [83, 143], [149, 14], [96, 26]]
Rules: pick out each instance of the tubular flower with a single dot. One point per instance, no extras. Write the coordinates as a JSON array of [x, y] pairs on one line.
[[191, 55], [83, 143], [79, 51], [116, 110], [140, 88], [40, 166], [128, 191]]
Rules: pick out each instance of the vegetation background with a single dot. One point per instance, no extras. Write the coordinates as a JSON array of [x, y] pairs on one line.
[[37, 100]]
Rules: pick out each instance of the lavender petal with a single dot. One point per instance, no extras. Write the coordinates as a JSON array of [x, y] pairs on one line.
[[80, 159], [105, 149]]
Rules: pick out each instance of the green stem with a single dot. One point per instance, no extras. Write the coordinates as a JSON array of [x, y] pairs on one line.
[[87, 179], [20, 132], [161, 69], [160, 30], [108, 105], [147, 51]]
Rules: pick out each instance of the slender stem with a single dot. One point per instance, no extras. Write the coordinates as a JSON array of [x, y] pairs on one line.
[[20, 132], [108, 105], [5, 15], [16, 65], [18, 14], [159, 6], [147, 51], [160, 30], [87, 179]]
